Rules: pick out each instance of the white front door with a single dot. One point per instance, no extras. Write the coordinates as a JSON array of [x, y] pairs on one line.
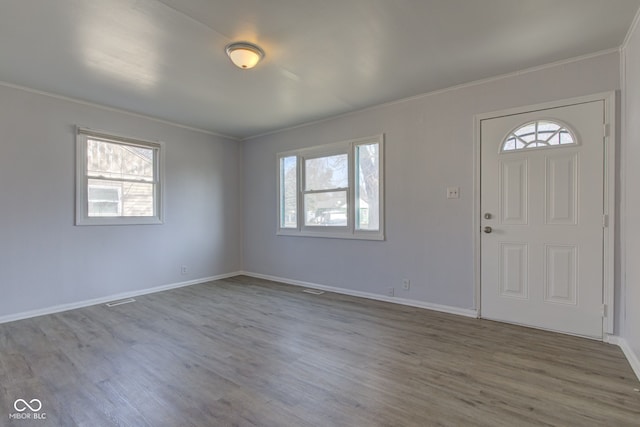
[[542, 187]]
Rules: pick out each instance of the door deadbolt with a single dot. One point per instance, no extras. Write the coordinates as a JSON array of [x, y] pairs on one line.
[[487, 216]]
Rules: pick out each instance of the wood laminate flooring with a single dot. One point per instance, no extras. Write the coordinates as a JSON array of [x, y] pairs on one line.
[[249, 352]]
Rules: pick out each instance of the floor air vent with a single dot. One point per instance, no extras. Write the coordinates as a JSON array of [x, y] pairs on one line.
[[313, 291], [124, 301]]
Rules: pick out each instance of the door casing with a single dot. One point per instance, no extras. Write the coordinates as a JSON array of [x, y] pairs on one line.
[[609, 141]]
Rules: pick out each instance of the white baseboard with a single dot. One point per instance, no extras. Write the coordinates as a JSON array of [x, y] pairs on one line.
[[632, 357], [403, 301], [103, 300]]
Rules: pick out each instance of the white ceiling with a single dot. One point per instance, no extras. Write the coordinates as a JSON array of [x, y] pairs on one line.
[[165, 58]]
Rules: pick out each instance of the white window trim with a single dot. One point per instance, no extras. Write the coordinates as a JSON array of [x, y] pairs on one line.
[[81, 201], [348, 232]]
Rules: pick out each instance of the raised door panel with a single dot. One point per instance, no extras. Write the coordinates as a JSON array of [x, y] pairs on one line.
[[561, 269], [513, 192], [514, 266], [561, 193]]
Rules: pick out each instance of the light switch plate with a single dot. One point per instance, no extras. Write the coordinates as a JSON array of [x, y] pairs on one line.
[[453, 192]]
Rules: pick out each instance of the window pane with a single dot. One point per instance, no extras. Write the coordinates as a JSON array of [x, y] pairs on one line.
[[288, 192], [547, 127], [566, 138], [555, 139], [325, 173], [527, 133], [326, 209], [368, 187], [111, 160], [117, 198], [510, 144], [547, 130]]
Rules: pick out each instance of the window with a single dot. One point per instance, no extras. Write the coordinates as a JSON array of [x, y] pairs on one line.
[[332, 190], [288, 192], [118, 180], [538, 134]]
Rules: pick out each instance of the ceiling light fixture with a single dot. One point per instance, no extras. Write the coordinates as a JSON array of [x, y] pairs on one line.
[[244, 55]]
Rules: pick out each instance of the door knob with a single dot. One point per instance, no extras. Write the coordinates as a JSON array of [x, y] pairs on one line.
[[488, 229]]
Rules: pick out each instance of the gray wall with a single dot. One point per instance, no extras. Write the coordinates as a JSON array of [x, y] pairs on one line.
[[631, 196], [429, 146], [46, 261], [220, 196]]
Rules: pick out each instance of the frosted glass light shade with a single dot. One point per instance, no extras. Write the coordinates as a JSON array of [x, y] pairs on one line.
[[244, 55]]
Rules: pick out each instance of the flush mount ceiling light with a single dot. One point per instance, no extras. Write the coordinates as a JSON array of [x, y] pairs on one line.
[[244, 55]]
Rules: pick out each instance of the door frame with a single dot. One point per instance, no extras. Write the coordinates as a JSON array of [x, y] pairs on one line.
[[609, 218]]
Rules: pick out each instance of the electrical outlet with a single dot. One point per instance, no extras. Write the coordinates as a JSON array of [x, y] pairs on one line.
[[406, 284], [184, 269], [453, 192], [390, 292]]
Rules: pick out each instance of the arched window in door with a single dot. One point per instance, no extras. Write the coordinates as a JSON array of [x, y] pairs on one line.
[[538, 134]]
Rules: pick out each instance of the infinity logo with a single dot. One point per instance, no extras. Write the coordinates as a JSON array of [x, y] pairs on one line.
[[37, 405]]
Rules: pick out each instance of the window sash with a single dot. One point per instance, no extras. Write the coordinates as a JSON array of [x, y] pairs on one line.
[[126, 200], [286, 194], [362, 182], [325, 217]]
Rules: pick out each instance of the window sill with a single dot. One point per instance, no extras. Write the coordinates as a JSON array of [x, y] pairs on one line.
[[119, 221], [335, 235]]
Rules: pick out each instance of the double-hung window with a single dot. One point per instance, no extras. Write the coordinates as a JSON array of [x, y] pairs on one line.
[[118, 180], [332, 190]]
